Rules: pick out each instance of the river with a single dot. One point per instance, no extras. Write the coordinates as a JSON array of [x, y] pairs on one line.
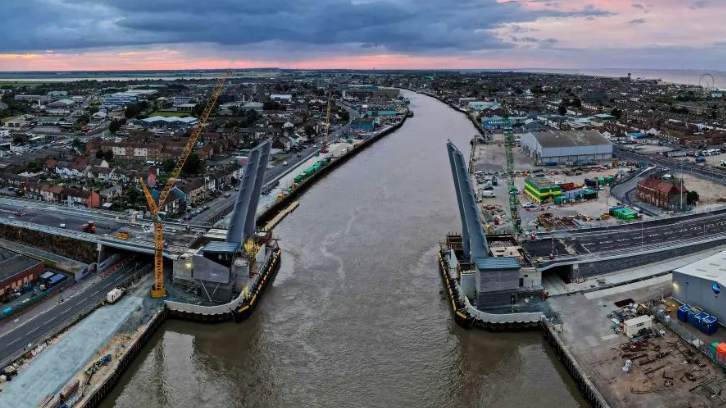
[[356, 317]]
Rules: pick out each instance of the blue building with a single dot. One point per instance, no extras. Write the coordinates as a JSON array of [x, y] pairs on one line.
[[363, 124], [120, 99], [381, 112], [494, 122]]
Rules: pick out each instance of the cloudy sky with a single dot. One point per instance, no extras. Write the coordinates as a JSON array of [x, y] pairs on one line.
[[365, 34]]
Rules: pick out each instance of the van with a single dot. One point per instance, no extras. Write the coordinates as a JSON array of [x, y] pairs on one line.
[[63, 225], [487, 193]]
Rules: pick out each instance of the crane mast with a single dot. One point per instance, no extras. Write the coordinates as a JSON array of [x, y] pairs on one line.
[[158, 290], [324, 149], [511, 186]]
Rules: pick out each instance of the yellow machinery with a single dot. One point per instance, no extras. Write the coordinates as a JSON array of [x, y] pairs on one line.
[[123, 235], [324, 149], [158, 290]]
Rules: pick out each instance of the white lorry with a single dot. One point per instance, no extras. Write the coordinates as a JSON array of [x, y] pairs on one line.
[[114, 295]]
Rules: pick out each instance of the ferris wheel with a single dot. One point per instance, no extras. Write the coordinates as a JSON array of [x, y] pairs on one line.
[[706, 82]]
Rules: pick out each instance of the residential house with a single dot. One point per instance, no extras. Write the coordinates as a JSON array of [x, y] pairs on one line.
[[281, 142], [195, 190], [109, 194]]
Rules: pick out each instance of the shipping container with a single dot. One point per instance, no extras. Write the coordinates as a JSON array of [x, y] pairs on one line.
[[692, 315], [698, 320], [682, 313], [55, 280], [710, 325]]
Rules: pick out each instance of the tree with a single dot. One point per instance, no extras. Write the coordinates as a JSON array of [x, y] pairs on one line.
[[93, 109], [272, 106], [108, 155], [692, 198], [344, 115], [168, 165], [193, 165], [99, 154], [577, 103], [562, 110], [116, 124], [18, 140], [617, 113], [309, 130], [131, 111]]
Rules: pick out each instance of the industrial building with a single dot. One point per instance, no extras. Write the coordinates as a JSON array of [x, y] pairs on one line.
[[700, 284], [17, 270], [541, 189], [567, 147], [365, 92]]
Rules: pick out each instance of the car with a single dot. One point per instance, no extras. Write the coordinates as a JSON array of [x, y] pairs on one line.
[[63, 225], [284, 163], [529, 205]]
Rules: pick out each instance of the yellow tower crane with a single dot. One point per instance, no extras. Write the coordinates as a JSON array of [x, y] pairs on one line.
[[158, 290]]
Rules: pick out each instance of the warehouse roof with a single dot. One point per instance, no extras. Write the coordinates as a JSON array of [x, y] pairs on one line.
[[13, 266], [712, 268], [570, 138]]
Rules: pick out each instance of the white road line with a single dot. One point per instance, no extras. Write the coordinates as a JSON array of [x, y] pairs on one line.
[[33, 330], [65, 311]]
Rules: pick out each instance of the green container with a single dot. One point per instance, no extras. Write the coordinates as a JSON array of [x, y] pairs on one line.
[[559, 199]]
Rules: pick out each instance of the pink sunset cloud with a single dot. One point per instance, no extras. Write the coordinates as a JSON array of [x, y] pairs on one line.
[[388, 34]]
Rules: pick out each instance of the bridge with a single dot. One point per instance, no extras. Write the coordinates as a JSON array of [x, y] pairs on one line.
[[66, 221]]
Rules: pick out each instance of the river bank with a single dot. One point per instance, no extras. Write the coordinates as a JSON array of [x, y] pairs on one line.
[[354, 316]]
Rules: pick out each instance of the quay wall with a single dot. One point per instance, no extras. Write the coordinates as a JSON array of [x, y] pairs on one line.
[[586, 387], [99, 393]]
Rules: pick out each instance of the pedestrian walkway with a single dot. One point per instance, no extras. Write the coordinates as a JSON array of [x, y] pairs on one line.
[[56, 366]]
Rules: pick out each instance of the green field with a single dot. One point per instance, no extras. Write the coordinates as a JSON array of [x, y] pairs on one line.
[[171, 113], [20, 83]]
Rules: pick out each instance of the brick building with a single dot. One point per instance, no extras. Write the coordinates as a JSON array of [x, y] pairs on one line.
[[17, 270], [661, 193]]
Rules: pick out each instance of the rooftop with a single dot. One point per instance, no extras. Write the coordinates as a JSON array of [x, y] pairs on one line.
[[570, 138], [14, 265], [219, 247], [712, 268], [497, 263]]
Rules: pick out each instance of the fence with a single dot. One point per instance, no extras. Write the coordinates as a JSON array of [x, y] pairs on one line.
[[681, 330], [504, 318]]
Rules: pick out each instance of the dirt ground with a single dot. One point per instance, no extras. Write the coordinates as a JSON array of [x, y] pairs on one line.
[[708, 192], [492, 156], [592, 208], [666, 371]]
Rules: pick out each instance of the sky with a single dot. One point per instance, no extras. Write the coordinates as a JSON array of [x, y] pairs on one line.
[[61, 35]]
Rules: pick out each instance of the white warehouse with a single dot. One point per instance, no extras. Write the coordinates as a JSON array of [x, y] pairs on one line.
[[567, 147], [700, 283]]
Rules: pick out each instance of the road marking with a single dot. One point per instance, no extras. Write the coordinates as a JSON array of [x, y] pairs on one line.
[[94, 293], [33, 330], [65, 311]]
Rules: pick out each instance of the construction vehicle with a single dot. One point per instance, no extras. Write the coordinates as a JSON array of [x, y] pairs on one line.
[[123, 235], [511, 187], [89, 228], [154, 207], [324, 149]]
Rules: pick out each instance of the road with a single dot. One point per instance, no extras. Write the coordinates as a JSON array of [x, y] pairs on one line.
[[54, 215], [710, 173], [38, 327]]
